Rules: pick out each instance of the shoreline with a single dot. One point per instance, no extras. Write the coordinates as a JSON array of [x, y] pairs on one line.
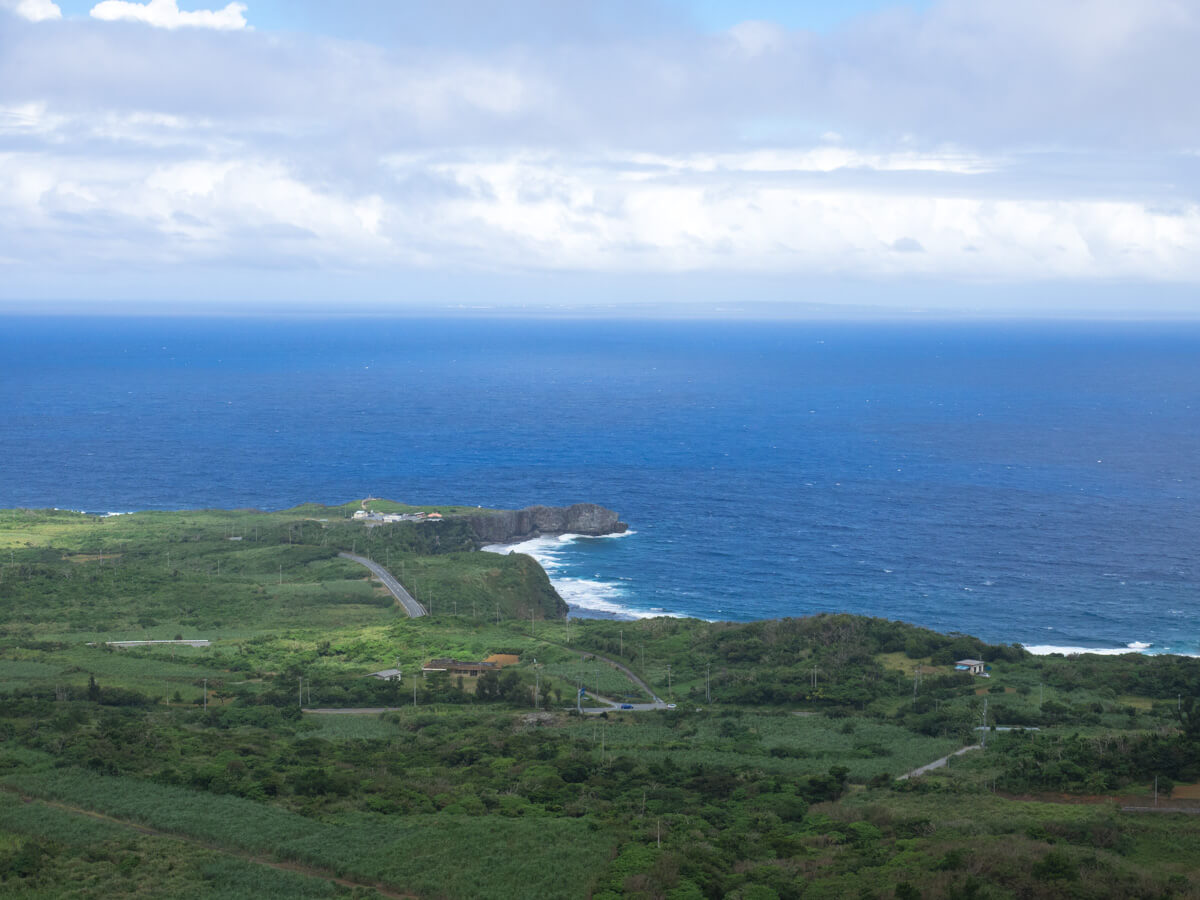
[[603, 603], [607, 600]]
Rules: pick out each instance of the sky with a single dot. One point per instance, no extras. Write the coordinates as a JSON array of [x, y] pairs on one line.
[[955, 157]]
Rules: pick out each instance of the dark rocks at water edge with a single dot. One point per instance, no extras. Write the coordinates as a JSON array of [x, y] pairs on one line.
[[506, 526]]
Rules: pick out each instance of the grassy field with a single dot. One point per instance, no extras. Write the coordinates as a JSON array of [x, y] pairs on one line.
[[66, 855], [775, 742], [422, 853]]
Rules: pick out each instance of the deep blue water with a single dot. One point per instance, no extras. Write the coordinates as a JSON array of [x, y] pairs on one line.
[[1033, 483]]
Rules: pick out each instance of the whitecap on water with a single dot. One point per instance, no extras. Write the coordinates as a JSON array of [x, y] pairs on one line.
[[1131, 647], [1046, 649]]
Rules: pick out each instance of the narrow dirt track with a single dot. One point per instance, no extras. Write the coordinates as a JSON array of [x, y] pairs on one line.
[[937, 763]]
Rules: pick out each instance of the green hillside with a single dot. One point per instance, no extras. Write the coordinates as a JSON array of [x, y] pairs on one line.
[[224, 770]]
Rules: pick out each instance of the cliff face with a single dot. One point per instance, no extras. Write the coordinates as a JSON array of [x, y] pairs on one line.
[[520, 524]]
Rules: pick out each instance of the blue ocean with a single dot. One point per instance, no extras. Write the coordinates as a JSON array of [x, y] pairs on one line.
[[1021, 482]]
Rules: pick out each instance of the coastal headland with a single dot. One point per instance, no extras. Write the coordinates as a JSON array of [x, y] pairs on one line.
[[507, 526]]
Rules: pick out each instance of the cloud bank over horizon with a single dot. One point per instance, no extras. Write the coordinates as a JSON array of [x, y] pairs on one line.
[[970, 143]]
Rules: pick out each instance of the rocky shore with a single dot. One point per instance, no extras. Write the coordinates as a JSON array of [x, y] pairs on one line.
[[506, 526]]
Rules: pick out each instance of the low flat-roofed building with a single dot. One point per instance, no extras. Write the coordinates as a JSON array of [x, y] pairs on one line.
[[386, 675], [974, 666]]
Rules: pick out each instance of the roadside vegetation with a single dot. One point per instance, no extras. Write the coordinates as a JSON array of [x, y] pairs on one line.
[[776, 774]]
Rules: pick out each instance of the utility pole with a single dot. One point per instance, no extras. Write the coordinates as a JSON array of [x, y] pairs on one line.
[[708, 682], [669, 683], [281, 573], [537, 691], [985, 728], [206, 695], [300, 691], [622, 641]]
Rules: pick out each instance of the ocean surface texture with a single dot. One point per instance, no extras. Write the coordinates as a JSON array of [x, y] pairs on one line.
[[1019, 482]]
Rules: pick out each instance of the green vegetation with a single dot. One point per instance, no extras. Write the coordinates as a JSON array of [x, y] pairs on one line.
[[154, 575], [168, 770]]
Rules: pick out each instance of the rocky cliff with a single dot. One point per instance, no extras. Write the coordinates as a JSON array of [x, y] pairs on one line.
[[521, 524]]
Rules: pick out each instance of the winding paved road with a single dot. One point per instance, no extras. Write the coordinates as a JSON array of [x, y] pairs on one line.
[[404, 598], [658, 702]]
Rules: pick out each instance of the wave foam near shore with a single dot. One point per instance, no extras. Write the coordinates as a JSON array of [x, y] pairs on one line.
[[590, 595], [1132, 647]]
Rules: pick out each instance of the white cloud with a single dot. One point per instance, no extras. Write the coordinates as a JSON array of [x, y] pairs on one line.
[[755, 37], [34, 10], [825, 158], [28, 118], [167, 14]]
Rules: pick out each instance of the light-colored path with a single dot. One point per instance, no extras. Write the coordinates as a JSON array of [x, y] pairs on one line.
[[938, 763], [404, 598]]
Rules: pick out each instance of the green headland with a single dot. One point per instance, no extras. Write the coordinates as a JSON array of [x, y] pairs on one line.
[[215, 704]]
